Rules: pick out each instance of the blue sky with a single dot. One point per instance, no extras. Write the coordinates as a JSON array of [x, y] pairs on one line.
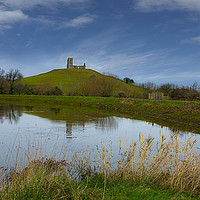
[[146, 40]]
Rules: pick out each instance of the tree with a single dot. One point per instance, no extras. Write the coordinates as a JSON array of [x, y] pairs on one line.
[[12, 76], [128, 80], [195, 86], [166, 88], [4, 86], [184, 94], [148, 85], [2, 72]]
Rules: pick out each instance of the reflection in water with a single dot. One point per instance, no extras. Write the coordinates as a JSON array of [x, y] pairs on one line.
[[67, 128], [55, 110], [11, 113], [108, 122], [71, 117], [74, 118], [29, 108]]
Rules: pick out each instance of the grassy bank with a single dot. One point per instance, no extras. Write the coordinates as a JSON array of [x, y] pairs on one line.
[[180, 115], [141, 172]]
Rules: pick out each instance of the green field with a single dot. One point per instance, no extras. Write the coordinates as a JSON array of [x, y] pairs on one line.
[[72, 81]]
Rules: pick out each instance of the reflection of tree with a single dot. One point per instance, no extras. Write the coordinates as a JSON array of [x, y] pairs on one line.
[[56, 111], [29, 108], [108, 122], [68, 130], [74, 117], [11, 112]]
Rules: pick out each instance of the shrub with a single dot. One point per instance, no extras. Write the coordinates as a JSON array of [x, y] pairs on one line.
[[20, 88], [56, 91], [29, 91], [98, 86], [121, 94], [184, 94]]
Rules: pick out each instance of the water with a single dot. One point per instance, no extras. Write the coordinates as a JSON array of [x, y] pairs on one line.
[[24, 129]]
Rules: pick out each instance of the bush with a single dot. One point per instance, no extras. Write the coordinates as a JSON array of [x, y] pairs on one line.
[[56, 91], [43, 89], [48, 89], [184, 94], [29, 91], [122, 94], [20, 88], [98, 86]]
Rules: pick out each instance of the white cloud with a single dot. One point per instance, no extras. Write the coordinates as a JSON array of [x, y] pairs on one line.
[[196, 39], [8, 18], [11, 12], [27, 4], [78, 21], [193, 40], [158, 5]]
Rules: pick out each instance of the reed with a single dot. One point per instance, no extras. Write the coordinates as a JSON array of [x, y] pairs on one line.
[[169, 163]]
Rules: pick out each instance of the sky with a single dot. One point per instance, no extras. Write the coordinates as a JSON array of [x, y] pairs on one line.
[[145, 40]]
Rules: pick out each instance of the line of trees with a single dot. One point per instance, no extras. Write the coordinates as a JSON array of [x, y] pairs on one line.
[[10, 84], [173, 91]]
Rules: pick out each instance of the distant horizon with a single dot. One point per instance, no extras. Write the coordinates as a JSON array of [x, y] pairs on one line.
[[146, 40]]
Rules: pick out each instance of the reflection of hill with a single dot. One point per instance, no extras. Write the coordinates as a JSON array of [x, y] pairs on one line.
[[10, 112], [74, 117]]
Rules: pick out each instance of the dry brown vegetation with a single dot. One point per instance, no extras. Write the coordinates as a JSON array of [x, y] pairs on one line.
[[168, 163]]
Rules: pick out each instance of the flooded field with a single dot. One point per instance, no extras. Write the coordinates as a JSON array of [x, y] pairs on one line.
[[62, 132]]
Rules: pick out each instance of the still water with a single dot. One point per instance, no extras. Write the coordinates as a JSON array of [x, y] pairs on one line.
[[58, 132]]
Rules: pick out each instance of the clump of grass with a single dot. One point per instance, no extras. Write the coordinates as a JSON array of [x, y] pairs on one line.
[[170, 164]]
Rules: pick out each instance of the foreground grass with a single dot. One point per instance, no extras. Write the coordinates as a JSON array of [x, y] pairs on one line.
[[58, 186], [168, 169], [180, 115]]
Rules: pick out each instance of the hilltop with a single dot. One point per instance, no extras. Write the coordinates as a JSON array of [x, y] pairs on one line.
[[84, 82]]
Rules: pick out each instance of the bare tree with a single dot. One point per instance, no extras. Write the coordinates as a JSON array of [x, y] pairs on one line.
[[166, 88], [4, 86], [12, 76], [2, 73], [195, 86]]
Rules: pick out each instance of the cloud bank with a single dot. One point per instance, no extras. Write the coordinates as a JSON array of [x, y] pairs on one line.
[[159, 5], [28, 4], [13, 11], [8, 18]]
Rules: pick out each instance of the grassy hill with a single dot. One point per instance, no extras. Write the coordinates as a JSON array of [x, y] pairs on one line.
[[83, 82]]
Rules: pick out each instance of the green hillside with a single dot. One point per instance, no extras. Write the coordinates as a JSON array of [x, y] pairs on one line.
[[83, 82]]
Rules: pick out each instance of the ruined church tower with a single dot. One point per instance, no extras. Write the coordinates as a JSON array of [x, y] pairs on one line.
[[70, 63]]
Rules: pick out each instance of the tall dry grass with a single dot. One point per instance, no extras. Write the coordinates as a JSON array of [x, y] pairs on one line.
[[169, 162]]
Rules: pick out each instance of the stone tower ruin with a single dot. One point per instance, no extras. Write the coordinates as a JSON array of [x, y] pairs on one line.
[[70, 63], [71, 66]]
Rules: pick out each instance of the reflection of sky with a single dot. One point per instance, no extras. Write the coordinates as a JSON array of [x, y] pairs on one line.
[[32, 132]]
